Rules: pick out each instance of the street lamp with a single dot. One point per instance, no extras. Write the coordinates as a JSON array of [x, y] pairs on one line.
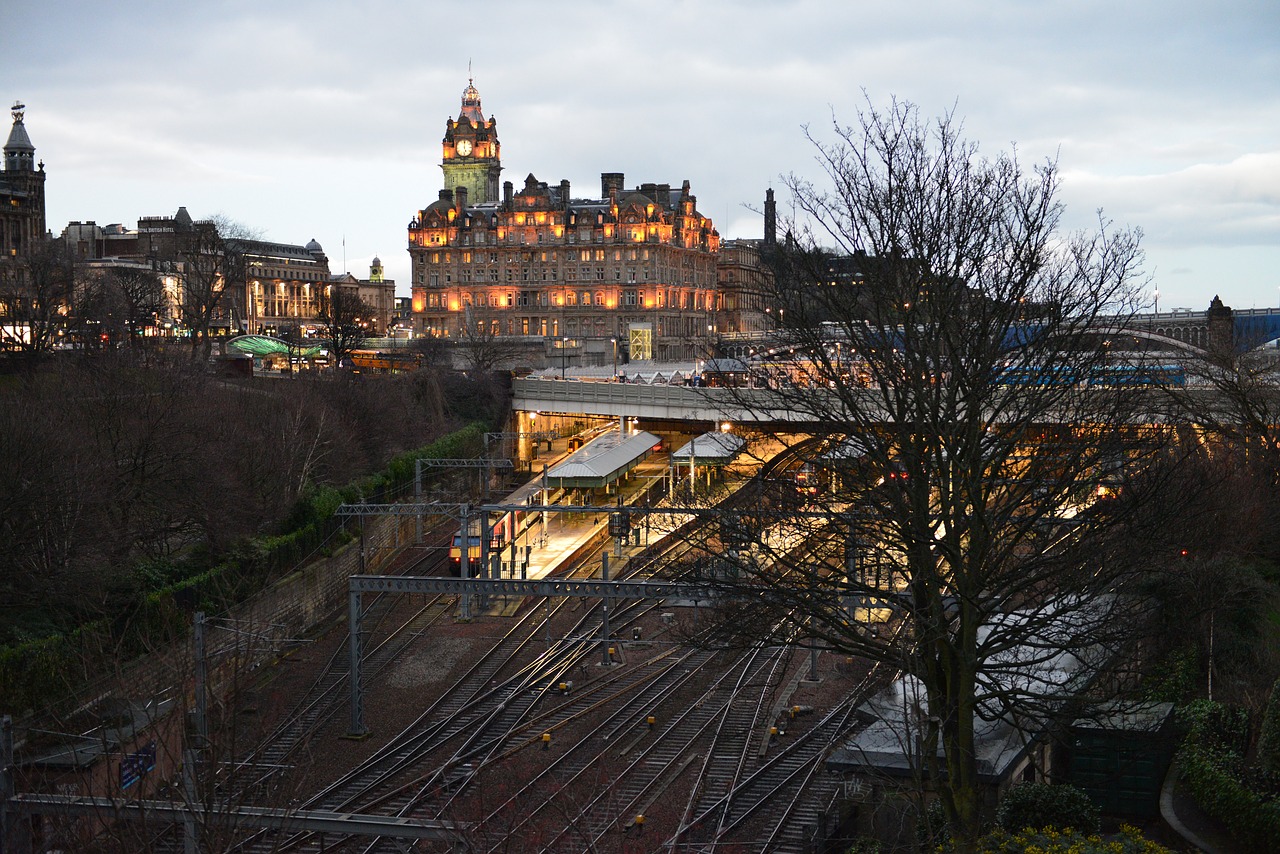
[[563, 355], [1157, 300], [614, 341]]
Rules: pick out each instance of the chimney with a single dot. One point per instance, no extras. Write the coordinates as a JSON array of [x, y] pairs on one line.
[[611, 182], [770, 219], [508, 189], [460, 198], [564, 192]]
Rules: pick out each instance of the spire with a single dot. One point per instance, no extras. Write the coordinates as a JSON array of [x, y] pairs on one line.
[[471, 103], [19, 153]]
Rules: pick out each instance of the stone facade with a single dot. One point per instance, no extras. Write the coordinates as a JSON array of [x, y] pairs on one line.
[[282, 282], [377, 292], [632, 269], [22, 216]]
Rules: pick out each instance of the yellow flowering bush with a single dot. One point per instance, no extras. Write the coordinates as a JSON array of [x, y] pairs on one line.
[[1050, 841]]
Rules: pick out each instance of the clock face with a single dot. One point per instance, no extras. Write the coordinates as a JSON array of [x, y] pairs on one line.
[[463, 147]]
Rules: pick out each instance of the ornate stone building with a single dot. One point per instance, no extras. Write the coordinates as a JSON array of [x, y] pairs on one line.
[[283, 283], [630, 274], [22, 220], [274, 286], [378, 292]]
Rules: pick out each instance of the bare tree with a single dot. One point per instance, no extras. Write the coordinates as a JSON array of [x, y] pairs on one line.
[[35, 301], [211, 257], [483, 348], [340, 313], [142, 299], [946, 350], [1235, 397], [113, 306]]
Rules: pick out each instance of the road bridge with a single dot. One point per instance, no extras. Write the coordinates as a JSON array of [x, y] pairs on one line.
[[649, 402]]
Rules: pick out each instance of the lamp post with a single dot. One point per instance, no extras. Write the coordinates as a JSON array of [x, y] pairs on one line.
[[563, 342], [1157, 300], [614, 341]]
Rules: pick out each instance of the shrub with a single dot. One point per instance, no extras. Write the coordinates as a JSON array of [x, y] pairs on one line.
[[1269, 737], [1217, 726], [1212, 764], [1037, 805], [38, 671], [1049, 841]]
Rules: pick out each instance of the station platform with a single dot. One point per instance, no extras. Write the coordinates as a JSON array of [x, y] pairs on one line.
[[566, 534]]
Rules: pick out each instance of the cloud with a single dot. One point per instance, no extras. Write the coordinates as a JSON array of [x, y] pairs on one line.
[[320, 119]]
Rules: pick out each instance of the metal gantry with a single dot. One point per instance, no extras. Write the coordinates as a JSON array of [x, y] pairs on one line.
[[466, 587]]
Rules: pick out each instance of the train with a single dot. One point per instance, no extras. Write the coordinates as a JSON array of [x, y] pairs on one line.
[[1111, 376], [504, 527], [377, 360], [1139, 375]]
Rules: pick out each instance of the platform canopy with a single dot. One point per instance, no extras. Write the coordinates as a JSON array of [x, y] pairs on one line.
[[265, 345], [710, 449], [602, 460]]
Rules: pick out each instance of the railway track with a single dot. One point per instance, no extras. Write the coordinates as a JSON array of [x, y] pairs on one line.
[[698, 729], [780, 795], [325, 696], [508, 698], [495, 694]]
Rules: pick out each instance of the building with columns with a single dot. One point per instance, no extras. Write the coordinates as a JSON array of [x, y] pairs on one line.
[[628, 274], [275, 287]]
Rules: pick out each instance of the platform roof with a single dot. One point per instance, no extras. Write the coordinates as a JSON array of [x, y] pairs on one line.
[[602, 460], [711, 449]]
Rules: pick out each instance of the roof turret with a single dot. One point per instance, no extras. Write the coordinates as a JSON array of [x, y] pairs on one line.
[[19, 153], [471, 104]]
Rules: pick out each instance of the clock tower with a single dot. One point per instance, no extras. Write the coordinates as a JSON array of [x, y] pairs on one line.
[[471, 151]]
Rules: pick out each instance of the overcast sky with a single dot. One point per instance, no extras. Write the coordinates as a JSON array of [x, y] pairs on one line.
[[323, 119]]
